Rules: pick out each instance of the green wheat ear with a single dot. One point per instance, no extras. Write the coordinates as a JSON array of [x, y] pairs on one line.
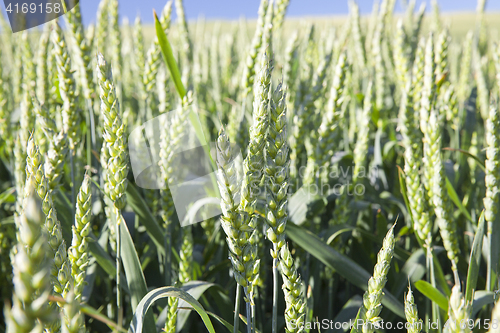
[[60, 271], [277, 171], [78, 253], [249, 69], [67, 87], [459, 311], [372, 299], [81, 50], [30, 309], [231, 221], [292, 288], [114, 146], [411, 313], [437, 188], [72, 319]]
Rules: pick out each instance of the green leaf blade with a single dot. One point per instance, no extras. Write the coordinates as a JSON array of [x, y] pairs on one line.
[[475, 259], [142, 308], [133, 272], [433, 294], [168, 56]]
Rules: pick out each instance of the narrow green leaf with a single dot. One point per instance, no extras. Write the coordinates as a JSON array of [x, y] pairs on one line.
[[222, 321], [336, 231], [433, 294], [456, 200], [355, 328], [195, 289], [8, 195], [136, 326], [139, 206], [475, 259], [244, 320], [168, 56], [133, 272], [221, 301], [7, 220], [343, 265]]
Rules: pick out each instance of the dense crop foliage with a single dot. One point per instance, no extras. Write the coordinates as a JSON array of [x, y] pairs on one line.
[[357, 168]]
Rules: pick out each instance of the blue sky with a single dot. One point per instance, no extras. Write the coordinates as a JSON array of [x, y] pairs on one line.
[[233, 9]]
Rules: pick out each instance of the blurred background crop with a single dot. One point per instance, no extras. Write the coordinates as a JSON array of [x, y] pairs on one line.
[[232, 10]]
